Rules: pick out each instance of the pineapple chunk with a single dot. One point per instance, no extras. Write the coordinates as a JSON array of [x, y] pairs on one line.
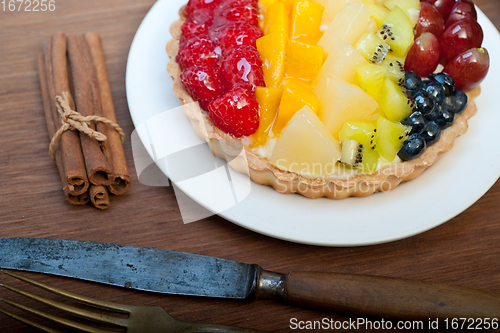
[[341, 102], [394, 102], [410, 7], [340, 64], [303, 61], [305, 21], [397, 31], [276, 20], [390, 137], [272, 53], [269, 101], [296, 95], [332, 8], [370, 78], [312, 153], [347, 26]]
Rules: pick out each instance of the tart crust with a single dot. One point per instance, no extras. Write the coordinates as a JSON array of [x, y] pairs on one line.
[[261, 171]]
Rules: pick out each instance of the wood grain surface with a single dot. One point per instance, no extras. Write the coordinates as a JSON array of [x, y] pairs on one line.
[[464, 251]]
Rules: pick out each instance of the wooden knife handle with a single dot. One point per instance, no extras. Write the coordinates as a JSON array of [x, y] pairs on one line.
[[377, 296]]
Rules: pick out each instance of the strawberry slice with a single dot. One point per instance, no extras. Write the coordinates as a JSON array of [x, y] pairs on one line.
[[237, 112]]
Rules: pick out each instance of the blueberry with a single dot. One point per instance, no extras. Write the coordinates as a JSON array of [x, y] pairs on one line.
[[431, 133], [413, 82], [457, 102], [433, 114], [435, 91], [413, 147], [417, 122], [423, 102], [444, 117], [446, 80]]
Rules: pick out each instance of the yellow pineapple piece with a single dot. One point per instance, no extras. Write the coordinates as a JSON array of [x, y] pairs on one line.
[[303, 61], [272, 50], [305, 21], [342, 102], [347, 26], [276, 20], [341, 64], [306, 147], [296, 95], [269, 101], [370, 78], [332, 8]]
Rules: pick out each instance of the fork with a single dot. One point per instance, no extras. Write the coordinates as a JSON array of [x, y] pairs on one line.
[[147, 319]]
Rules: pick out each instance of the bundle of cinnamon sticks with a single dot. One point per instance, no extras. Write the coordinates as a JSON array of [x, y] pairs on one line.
[[86, 141]]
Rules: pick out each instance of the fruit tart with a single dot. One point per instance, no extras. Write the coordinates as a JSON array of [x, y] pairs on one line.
[[328, 98]]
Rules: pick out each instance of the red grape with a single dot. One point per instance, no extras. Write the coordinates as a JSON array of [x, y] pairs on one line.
[[469, 68], [430, 20], [423, 57], [462, 9], [459, 37], [443, 6]]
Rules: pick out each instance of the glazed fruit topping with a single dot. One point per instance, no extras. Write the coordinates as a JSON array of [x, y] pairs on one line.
[[238, 34], [435, 107], [430, 20], [236, 112], [220, 63], [204, 82], [198, 50]]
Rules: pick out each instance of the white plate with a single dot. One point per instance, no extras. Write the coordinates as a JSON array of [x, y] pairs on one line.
[[452, 185]]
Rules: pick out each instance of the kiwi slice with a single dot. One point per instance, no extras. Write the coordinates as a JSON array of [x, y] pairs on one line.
[[359, 156], [397, 32], [372, 47]]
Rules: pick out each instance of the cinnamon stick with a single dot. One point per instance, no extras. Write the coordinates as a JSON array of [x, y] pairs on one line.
[[115, 151], [69, 144], [99, 196], [87, 100], [80, 199]]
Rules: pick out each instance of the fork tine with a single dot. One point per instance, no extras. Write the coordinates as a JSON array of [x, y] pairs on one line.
[[29, 322], [82, 299], [63, 321], [68, 308]]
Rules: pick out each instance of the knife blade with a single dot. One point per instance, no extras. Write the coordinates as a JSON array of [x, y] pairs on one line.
[[172, 272]]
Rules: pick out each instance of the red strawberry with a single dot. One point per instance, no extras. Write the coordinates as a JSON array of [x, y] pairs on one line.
[[237, 112], [241, 2], [238, 34], [192, 29], [243, 67], [234, 14], [198, 50], [203, 83]]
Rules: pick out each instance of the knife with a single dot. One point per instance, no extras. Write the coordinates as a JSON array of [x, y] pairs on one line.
[[180, 273]]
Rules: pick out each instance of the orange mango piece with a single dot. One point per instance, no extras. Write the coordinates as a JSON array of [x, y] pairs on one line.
[[296, 95], [305, 21], [288, 4], [276, 20], [269, 101], [303, 61], [272, 50]]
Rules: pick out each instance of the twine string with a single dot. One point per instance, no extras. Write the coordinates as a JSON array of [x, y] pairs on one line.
[[74, 121]]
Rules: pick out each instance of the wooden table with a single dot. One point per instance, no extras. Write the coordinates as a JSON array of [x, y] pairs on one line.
[[464, 251]]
